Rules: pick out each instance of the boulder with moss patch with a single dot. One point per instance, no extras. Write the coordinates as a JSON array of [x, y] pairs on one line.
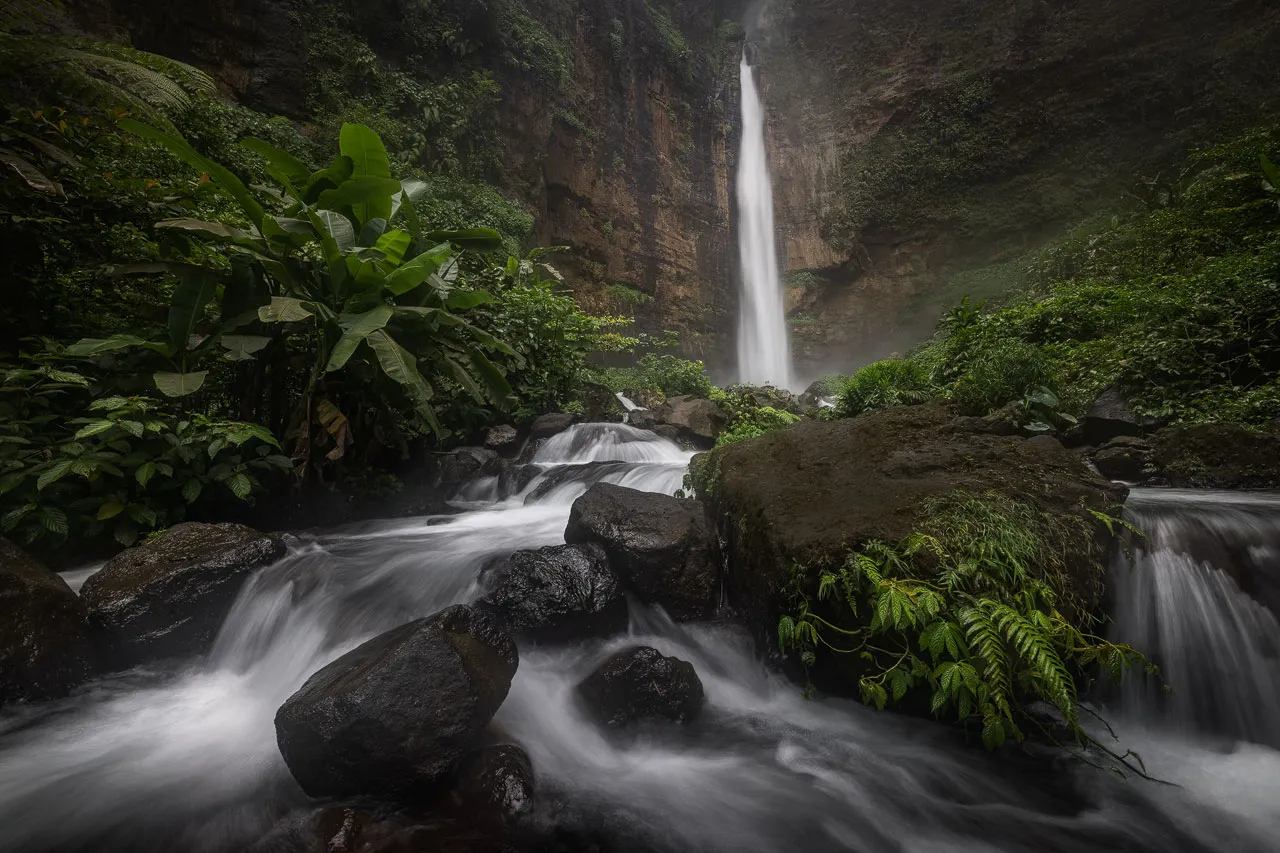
[[1217, 456]]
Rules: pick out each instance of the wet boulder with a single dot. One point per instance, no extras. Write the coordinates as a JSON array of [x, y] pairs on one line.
[[661, 547], [503, 440], [693, 419], [600, 404], [1124, 458], [168, 597], [45, 643], [803, 497], [463, 464], [641, 684], [496, 782], [545, 426], [1109, 417], [397, 714], [558, 594]]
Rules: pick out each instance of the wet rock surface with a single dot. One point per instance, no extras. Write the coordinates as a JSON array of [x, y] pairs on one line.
[[642, 684], [660, 546], [496, 783], [46, 646], [558, 594], [1124, 458], [1217, 456], [398, 713], [694, 419], [545, 426], [168, 597]]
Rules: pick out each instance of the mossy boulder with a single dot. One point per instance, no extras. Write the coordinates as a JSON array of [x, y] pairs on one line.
[[1217, 456], [792, 501]]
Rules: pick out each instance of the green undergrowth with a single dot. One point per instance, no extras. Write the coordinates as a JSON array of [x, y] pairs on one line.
[[1177, 304], [757, 422], [976, 616]]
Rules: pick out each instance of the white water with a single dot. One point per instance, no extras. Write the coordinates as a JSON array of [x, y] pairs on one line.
[[764, 353], [186, 760]]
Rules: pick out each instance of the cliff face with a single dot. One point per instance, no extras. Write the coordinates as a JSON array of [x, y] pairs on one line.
[[916, 139], [911, 140]]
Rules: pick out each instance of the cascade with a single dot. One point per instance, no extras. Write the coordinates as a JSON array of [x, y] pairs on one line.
[[1182, 601], [764, 352]]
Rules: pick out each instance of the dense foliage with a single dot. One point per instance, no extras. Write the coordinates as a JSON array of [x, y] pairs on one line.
[[1175, 304], [974, 613]]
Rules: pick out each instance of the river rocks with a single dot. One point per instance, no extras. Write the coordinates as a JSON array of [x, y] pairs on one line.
[[1124, 458], [1217, 456], [807, 494], [693, 418], [496, 782], [660, 546], [642, 684], [559, 593], [45, 643], [1109, 417], [504, 440], [168, 597], [463, 464], [599, 404], [545, 426], [396, 714]]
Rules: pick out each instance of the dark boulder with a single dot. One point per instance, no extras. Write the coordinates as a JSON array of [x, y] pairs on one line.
[[642, 684], [545, 426], [1109, 417], [496, 782], [599, 404], [559, 593], [1124, 458], [397, 714], [806, 495], [1217, 456], [693, 419], [463, 464], [168, 597], [45, 643], [661, 547]]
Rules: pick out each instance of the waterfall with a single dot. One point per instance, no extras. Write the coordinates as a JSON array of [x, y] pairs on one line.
[[764, 353], [1185, 602]]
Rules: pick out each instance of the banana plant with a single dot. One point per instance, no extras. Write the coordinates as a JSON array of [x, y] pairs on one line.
[[340, 258]]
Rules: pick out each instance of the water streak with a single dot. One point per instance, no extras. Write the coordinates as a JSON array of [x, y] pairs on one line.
[[764, 353]]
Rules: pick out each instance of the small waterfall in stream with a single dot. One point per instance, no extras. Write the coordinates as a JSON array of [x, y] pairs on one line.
[[1182, 603], [764, 352], [183, 759]]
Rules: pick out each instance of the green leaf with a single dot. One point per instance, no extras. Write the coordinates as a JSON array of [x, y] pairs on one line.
[[284, 309], [216, 230], [109, 510], [191, 490], [394, 244], [401, 367], [240, 485], [220, 174], [283, 162], [187, 307], [94, 428], [357, 327], [54, 520], [53, 474], [179, 384], [368, 160], [1273, 174], [98, 346], [145, 472], [242, 347], [461, 300], [339, 228], [35, 179], [367, 197], [414, 272], [481, 240]]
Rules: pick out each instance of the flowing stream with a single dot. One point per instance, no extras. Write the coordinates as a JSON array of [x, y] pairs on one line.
[[764, 353], [185, 759]]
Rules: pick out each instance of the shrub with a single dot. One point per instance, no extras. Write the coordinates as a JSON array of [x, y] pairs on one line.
[[757, 422], [892, 382], [998, 373], [976, 612]]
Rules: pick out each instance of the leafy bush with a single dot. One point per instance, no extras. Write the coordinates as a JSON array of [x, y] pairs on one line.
[[72, 468], [665, 373], [998, 373], [977, 612], [892, 382], [829, 385], [757, 422]]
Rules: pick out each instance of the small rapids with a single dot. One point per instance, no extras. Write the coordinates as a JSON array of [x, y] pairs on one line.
[[184, 758]]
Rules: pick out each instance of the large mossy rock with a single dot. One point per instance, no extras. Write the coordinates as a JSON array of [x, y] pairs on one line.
[[1217, 456], [661, 547], [45, 643], [168, 597], [560, 593], [642, 684], [398, 713], [802, 497]]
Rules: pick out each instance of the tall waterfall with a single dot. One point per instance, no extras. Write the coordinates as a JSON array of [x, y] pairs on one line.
[[764, 353]]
